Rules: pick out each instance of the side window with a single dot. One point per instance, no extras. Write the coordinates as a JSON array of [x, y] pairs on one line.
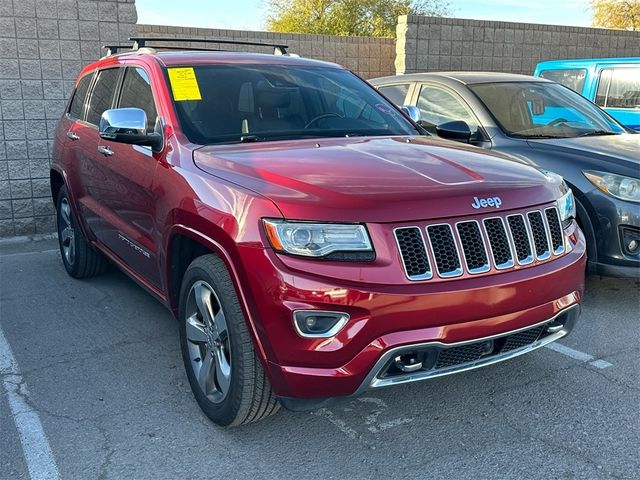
[[76, 109], [619, 88], [438, 105], [102, 94], [395, 93], [136, 92], [572, 78]]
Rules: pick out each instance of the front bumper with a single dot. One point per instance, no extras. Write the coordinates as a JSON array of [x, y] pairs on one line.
[[384, 318], [613, 215]]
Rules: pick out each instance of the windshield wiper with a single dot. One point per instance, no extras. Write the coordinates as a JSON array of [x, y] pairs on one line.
[[596, 133]]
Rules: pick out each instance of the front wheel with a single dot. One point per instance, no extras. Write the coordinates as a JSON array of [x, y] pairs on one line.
[[225, 375]]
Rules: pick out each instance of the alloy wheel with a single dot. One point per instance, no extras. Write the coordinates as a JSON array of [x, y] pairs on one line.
[[66, 232], [208, 341]]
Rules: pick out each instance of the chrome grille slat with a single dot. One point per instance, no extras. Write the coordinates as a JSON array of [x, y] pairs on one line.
[[520, 238], [479, 246], [445, 250], [555, 230], [539, 233], [474, 249], [499, 244], [413, 252]]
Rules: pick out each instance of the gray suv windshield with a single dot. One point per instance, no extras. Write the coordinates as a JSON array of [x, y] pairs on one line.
[[543, 110]]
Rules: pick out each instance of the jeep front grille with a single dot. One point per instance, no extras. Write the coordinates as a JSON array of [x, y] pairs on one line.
[[480, 246]]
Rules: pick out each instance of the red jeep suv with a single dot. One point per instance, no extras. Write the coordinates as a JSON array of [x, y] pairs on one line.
[[312, 240]]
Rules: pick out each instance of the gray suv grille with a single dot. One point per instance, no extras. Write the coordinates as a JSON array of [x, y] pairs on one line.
[[476, 247]]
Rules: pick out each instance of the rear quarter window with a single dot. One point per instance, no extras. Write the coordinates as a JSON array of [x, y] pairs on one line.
[[571, 77], [395, 93], [76, 109]]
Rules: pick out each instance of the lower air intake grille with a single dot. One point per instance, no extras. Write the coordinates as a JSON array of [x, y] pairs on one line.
[[463, 354], [522, 339]]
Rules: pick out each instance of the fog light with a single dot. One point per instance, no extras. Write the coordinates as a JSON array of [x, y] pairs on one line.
[[630, 240], [318, 323]]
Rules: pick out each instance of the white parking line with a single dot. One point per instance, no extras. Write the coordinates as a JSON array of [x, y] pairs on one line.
[[35, 446], [577, 355]]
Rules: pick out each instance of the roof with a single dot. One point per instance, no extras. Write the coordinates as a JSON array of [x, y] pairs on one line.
[[462, 77], [586, 62]]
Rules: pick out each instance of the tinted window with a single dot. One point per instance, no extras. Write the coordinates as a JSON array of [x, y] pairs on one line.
[[76, 109], [543, 110], [572, 78], [136, 92], [619, 88], [395, 93], [234, 103], [102, 94], [438, 105]]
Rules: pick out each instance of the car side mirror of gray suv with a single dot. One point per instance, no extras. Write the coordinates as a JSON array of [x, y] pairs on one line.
[[412, 112], [128, 125], [454, 130]]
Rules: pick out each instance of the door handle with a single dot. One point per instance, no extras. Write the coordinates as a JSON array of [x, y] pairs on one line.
[[106, 151], [73, 135]]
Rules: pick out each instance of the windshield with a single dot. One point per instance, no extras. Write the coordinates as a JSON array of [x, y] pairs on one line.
[[246, 103], [543, 110]]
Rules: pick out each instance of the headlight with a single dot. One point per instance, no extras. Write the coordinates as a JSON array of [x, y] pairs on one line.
[[566, 207], [624, 188], [318, 239]]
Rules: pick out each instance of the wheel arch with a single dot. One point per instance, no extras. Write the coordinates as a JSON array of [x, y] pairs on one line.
[[185, 244]]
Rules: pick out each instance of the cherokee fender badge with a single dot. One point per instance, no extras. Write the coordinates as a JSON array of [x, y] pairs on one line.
[[486, 202]]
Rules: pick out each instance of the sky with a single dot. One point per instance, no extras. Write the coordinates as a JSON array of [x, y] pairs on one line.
[[250, 14]]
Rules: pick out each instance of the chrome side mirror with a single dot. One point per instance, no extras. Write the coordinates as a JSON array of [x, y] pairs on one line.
[[128, 125], [412, 112]]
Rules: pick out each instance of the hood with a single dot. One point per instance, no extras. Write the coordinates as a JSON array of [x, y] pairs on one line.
[[617, 150], [376, 179]]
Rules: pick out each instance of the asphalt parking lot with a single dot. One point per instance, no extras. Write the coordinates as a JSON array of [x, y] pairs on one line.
[[96, 364]]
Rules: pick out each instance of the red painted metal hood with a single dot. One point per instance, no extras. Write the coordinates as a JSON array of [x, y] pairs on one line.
[[375, 179]]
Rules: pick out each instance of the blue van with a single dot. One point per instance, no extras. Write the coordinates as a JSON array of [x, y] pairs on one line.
[[611, 83]]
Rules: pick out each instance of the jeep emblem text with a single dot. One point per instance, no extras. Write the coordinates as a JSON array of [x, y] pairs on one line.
[[486, 202]]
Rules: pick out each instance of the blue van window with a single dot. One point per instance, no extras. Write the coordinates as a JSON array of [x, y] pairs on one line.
[[572, 77], [619, 88]]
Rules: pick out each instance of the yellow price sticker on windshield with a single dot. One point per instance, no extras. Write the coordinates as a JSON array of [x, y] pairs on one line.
[[184, 84]]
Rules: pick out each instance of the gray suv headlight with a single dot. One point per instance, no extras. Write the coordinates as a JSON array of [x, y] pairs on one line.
[[619, 186]]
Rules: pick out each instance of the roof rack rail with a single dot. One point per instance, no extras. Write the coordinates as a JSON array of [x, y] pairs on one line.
[[113, 49], [139, 42]]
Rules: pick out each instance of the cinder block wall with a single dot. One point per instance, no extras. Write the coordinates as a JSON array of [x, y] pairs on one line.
[[369, 57], [432, 43], [43, 46]]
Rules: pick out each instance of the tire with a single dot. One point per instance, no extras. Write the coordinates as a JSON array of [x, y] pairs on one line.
[[80, 259], [226, 376]]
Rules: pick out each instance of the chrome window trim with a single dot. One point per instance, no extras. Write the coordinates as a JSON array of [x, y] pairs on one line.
[[510, 263], [414, 278], [547, 254], [474, 271], [528, 260], [454, 273]]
